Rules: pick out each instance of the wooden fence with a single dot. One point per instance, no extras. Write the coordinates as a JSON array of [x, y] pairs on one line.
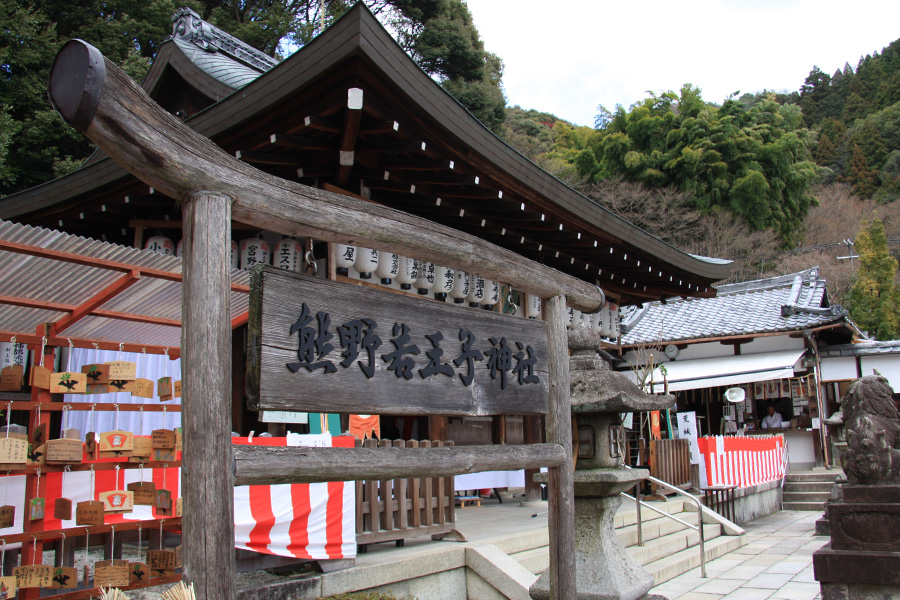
[[670, 460], [397, 509]]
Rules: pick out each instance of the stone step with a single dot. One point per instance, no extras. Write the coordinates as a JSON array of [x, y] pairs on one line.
[[683, 561], [808, 506], [792, 497], [654, 550], [828, 476], [808, 486], [627, 514], [651, 530]]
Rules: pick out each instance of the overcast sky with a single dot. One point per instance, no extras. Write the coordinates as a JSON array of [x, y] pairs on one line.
[[567, 56]]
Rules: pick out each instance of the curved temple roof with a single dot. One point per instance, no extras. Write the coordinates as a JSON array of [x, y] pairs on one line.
[[411, 146]]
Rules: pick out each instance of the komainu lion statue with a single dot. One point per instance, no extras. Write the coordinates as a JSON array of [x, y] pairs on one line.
[[872, 426]]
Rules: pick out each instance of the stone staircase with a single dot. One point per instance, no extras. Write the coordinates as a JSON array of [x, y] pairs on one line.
[[669, 548], [808, 491]]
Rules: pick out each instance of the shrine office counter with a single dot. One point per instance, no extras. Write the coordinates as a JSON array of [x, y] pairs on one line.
[[801, 446]]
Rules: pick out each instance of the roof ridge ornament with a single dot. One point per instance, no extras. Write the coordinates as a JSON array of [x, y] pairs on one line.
[[187, 26]]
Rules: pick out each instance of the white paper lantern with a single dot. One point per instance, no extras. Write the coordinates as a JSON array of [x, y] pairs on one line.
[[425, 280], [388, 266], [345, 256], [366, 262], [161, 245], [493, 293], [235, 254], [409, 272], [605, 329], [288, 255], [533, 310], [254, 251], [443, 281], [460, 287], [615, 326], [179, 247], [476, 290], [574, 317], [596, 321], [485, 299]]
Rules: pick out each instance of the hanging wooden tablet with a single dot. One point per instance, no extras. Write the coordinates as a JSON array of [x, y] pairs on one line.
[[117, 501], [143, 388], [163, 438], [111, 576], [138, 572], [162, 562], [71, 434], [118, 440], [33, 576], [96, 374], [37, 455], [144, 492], [38, 435], [177, 389], [40, 377], [179, 507], [91, 447], [97, 388], [164, 503], [122, 369], [62, 509], [65, 451], [13, 450], [65, 578], [12, 378], [7, 516], [163, 454], [115, 562], [68, 382], [164, 387], [178, 557], [89, 513], [8, 587], [36, 509], [178, 440], [143, 447], [121, 385]]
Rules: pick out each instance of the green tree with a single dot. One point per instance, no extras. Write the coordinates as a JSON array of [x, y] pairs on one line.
[[825, 152], [874, 300], [863, 178]]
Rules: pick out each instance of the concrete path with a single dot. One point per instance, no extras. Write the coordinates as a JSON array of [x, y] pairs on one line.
[[775, 562]]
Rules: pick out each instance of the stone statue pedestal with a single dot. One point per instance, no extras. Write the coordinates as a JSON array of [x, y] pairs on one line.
[[862, 562]]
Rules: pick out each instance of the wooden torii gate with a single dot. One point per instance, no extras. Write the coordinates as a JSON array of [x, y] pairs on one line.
[[101, 101]]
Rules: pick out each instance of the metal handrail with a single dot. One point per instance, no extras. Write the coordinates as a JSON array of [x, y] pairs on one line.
[[698, 528]]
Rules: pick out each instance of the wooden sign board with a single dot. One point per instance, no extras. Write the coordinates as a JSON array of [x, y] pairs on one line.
[[33, 576], [111, 576], [116, 441], [318, 343], [117, 501], [62, 509], [89, 512], [162, 562], [13, 450], [122, 369], [138, 572], [142, 388], [40, 377], [65, 578], [7, 587], [144, 492], [164, 385], [121, 385], [163, 438], [7, 516]]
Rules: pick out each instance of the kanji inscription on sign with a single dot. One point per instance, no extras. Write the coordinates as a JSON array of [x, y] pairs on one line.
[[318, 344]]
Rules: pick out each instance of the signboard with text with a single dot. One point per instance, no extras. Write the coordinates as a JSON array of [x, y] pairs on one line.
[[318, 345]]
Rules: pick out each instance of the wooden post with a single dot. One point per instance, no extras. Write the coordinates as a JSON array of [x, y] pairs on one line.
[[207, 465], [531, 425], [561, 486]]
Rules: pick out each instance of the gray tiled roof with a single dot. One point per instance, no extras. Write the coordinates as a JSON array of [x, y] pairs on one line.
[[219, 65], [785, 303], [861, 349]]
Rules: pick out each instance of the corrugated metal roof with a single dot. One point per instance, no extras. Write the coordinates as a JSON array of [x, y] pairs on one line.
[[785, 303], [48, 280]]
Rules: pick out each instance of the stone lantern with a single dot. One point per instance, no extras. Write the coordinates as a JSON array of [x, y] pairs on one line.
[[604, 569]]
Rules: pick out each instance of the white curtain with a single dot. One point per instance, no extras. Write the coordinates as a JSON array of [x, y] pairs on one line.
[[149, 366]]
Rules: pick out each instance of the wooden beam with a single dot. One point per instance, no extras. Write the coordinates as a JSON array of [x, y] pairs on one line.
[[267, 465], [6, 336], [161, 224], [206, 405], [268, 158], [108, 314], [118, 116], [349, 134], [381, 127], [561, 484], [97, 300], [320, 124], [300, 142]]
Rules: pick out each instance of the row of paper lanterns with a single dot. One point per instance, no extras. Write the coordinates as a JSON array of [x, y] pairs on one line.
[[287, 254], [425, 277]]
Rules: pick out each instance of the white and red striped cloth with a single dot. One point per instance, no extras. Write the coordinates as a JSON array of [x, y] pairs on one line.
[[741, 461], [313, 521]]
